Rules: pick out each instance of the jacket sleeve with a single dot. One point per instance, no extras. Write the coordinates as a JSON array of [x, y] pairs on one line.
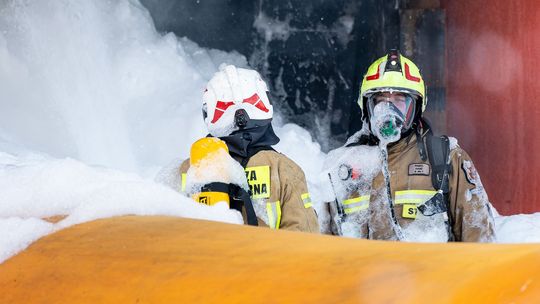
[[470, 208], [296, 206]]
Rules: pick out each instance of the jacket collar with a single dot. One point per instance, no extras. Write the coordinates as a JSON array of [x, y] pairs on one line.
[[403, 144], [244, 143]]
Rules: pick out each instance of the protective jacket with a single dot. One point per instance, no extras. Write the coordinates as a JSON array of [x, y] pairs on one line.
[[411, 184], [278, 191]]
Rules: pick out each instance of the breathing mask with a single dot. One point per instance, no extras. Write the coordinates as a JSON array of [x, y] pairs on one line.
[[391, 113]]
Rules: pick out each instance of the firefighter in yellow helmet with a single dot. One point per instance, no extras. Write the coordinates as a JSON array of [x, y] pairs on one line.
[[238, 115], [395, 180]]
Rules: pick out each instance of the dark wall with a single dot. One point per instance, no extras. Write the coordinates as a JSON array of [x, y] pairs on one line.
[[315, 68], [219, 24], [312, 53]]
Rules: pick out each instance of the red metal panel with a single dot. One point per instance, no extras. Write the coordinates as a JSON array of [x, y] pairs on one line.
[[493, 95]]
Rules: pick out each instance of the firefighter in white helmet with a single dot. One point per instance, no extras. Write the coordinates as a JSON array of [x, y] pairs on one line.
[[395, 180], [237, 110]]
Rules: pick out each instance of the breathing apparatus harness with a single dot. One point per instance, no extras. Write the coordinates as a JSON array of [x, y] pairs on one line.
[[438, 154]]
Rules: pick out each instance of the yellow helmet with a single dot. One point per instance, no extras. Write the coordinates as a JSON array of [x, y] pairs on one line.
[[393, 72]]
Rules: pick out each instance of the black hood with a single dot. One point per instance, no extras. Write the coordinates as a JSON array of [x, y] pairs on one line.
[[257, 136]]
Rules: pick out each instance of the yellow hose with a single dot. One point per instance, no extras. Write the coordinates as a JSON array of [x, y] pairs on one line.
[[136, 259]]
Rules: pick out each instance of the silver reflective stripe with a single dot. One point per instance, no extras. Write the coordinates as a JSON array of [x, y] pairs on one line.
[[356, 204], [306, 199], [273, 211], [413, 196]]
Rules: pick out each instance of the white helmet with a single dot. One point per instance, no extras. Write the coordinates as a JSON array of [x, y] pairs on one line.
[[232, 89]]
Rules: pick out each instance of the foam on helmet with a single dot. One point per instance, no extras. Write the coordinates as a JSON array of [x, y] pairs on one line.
[[230, 90]]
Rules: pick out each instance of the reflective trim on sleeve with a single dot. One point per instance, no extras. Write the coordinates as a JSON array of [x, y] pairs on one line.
[[356, 204], [183, 181], [274, 214], [307, 200], [415, 197]]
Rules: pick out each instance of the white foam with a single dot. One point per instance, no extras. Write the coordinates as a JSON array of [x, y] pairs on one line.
[[38, 187], [519, 228], [17, 233], [95, 81], [218, 166]]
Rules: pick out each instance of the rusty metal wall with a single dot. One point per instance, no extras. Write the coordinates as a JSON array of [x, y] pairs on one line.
[[493, 106]]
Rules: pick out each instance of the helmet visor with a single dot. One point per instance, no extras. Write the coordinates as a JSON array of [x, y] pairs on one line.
[[403, 104]]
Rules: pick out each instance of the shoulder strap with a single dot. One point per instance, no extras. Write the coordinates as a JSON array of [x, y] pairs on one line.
[[422, 127], [438, 151], [240, 197]]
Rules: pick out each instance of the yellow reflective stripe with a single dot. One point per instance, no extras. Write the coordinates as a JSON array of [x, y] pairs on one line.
[[356, 200], [356, 204], [307, 200], [274, 214], [425, 192], [415, 192], [413, 196], [183, 180], [278, 209]]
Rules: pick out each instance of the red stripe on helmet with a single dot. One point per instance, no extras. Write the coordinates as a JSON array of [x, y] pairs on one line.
[[409, 76], [375, 76], [221, 107], [257, 102]]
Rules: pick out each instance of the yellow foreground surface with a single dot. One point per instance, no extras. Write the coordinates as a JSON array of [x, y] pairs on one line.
[[173, 260]]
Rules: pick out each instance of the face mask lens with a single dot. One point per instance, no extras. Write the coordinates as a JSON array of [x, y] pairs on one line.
[[402, 104], [401, 101]]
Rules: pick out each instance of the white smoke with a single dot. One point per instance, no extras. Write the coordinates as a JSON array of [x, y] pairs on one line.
[[94, 80]]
